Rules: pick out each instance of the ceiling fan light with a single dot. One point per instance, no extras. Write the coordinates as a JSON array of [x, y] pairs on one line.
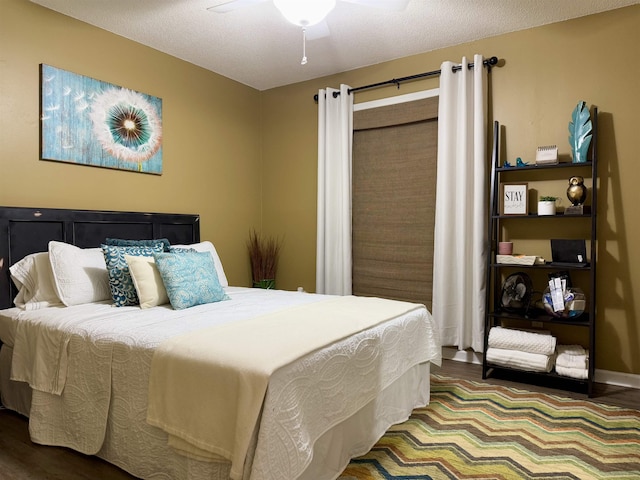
[[305, 12]]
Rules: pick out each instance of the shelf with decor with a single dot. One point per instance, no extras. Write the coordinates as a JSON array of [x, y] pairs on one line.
[[540, 304]]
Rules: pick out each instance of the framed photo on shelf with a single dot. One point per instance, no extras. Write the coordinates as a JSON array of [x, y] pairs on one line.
[[515, 199]]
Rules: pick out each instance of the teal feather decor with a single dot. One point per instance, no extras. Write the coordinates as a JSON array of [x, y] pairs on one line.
[[580, 132]]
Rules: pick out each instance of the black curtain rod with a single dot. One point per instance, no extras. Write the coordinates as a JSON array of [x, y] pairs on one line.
[[490, 62]]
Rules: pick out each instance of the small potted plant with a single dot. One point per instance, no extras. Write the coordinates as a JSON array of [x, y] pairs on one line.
[[547, 205], [263, 254]]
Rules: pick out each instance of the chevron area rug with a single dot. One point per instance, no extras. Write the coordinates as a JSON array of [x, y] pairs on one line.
[[473, 430]]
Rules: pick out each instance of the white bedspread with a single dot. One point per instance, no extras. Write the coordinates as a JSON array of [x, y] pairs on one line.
[[104, 342], [8, 325], [207, 387]]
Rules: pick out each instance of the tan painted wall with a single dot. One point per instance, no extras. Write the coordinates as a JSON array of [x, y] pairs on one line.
[[211, 146], [547, 71]]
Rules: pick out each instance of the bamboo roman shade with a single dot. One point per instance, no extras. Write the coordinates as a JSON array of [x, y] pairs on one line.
[[394, 182]]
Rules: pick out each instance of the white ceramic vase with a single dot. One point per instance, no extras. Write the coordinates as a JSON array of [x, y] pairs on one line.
[[546, 207]]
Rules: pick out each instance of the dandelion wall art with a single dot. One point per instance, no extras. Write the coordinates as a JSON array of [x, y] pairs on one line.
[[90, 122]]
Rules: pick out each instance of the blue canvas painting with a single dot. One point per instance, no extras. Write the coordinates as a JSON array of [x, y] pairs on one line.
[[90, 122]]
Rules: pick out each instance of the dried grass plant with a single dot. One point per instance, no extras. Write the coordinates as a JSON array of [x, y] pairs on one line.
[[263, 253]]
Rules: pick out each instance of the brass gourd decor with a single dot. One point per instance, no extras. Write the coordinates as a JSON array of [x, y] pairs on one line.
[[577, 192]]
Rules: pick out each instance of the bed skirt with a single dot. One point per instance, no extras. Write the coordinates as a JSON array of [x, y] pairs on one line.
[[149, 457]]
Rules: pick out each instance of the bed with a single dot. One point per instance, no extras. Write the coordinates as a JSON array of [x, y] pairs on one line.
[[94, 377]]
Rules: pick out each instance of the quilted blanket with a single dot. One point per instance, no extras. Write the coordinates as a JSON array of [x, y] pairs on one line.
[[207, 387], [103, 389]]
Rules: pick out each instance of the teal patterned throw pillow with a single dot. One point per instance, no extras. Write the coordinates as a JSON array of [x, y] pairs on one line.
[[190, 278], [121, 242], [181, 250], [123, 290]]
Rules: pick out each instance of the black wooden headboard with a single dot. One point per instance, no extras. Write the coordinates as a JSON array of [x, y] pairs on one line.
[[29, 230]]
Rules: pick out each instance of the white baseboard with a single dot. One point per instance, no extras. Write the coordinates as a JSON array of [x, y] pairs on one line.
[[467, 356], [609, 377], [620, 379]]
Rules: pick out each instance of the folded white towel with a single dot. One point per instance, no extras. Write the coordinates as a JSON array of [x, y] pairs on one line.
[[522, 341], [532, 362], [572, 361], [579, 373], [571, 349]]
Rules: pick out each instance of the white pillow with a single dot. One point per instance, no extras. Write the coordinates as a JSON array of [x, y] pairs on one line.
[[147, 280], [80, 274], [207, 246], [34, 279]]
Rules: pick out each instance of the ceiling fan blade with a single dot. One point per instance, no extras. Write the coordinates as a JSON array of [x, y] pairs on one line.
[[396, 5], [229, 5], [319, 30]]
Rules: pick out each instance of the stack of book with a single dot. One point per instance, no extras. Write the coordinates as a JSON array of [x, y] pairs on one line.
[[519, 259]]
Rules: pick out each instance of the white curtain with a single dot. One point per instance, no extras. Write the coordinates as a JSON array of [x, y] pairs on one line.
[[335, 134], [459, 268]]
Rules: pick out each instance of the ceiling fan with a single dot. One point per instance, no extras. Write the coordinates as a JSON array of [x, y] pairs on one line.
[[309, 13]]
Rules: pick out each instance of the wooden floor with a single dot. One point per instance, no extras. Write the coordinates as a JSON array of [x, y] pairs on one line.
[[20, 459], [610, 394]]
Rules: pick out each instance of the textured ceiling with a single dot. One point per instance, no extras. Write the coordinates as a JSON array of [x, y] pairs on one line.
[[256, 46]]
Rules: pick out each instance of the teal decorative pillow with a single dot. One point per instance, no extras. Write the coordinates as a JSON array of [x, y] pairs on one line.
[[206, 246], [190, 278], [122, 287], [121, 242], [181, 250]]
